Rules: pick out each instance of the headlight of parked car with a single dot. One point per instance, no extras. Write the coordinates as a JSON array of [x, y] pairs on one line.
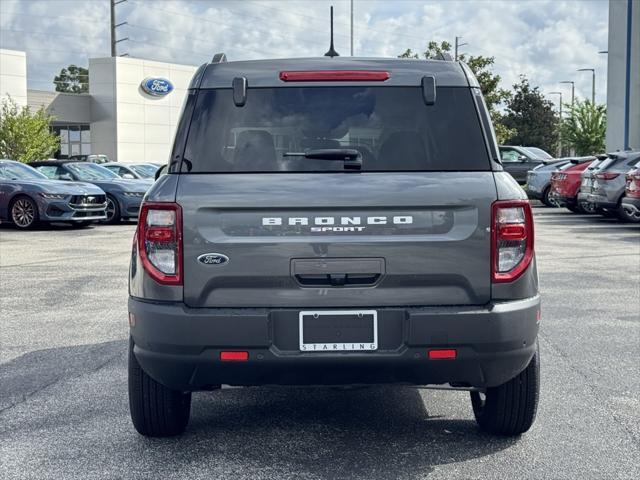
[[53, 196], [134, 194]]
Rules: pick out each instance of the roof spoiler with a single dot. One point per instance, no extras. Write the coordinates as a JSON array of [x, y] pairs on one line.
[[219, 58], [579, 160]]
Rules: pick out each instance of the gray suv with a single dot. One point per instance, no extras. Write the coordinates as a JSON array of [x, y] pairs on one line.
[[322, 223], [607, 188]]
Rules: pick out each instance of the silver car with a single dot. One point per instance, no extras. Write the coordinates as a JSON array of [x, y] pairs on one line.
[[607, 188], [539, 181]]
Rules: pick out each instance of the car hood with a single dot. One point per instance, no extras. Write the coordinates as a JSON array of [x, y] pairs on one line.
[[63, 187], [123, 185]]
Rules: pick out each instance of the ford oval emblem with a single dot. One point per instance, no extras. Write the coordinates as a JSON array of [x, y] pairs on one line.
[[156, 87], [213, 259]]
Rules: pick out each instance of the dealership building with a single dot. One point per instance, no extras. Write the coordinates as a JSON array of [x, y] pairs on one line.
[[130, 113], [133, 105]]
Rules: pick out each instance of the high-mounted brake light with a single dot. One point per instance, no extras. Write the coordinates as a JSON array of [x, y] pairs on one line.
[[159, 239], [511, 239], [335, 76]]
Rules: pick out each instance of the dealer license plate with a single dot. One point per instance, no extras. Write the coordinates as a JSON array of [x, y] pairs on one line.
[[338, 330]]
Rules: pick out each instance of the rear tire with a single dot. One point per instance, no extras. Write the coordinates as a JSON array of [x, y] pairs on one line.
[[587, 207], [510, 408], [627, 216], [156, 411], [545, 198]]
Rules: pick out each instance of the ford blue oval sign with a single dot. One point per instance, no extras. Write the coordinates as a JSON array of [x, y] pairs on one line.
[[157, 87]]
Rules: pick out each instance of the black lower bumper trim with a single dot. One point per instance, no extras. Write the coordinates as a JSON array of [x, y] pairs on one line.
[[180, 347]]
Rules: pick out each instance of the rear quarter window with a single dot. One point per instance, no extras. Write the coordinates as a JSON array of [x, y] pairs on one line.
[[391, 127]]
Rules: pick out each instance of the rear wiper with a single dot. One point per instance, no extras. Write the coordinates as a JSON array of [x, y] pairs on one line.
[[352, 158]]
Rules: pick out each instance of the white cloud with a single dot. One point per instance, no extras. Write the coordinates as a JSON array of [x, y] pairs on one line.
[[546, 40]]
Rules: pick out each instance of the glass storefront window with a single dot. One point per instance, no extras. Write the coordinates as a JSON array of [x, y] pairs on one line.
[[74, 140], [74, 134]]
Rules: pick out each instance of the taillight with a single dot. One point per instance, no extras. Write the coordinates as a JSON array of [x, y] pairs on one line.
[[160, 241], [335, 76], [607, 175], [511, 239]]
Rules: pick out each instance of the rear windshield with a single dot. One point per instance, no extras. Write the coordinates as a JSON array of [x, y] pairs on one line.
[[391, 127]]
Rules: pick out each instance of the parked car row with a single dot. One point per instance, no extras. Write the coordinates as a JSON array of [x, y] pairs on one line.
[[76, 192], [607, 184]]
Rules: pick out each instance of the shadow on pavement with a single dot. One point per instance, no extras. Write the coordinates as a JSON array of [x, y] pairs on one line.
[[260, 432]]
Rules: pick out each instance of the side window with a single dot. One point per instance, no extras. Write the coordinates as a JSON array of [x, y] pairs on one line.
[[509, 156]]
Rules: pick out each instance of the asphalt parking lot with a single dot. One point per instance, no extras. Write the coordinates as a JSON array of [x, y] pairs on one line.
[[64, 407]]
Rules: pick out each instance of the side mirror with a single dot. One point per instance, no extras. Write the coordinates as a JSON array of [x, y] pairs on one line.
[[522, 158], [65, 176], [161, 171], [128, 176]]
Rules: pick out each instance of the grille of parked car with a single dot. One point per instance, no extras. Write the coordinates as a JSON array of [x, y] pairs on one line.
[[84, 200]]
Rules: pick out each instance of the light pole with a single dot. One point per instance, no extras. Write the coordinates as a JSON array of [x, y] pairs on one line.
[[458, 45], [560, 130], [573, 90], [593, 82], [352, 28]]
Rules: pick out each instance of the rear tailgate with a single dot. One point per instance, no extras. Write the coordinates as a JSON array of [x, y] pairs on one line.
[[337, 239]]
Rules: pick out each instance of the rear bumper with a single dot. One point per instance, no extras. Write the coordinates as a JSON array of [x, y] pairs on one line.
[[563, 201], [601, 201], [535, 188], [180, 346]]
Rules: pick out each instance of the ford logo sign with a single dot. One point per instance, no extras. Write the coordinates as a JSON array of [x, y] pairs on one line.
[[213, 259], [156, 87]]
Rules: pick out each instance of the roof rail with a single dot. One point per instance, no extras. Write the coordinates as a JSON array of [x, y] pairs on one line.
[[219, 58]]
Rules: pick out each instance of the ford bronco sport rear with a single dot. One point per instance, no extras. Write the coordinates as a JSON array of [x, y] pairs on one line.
[[334, 221]]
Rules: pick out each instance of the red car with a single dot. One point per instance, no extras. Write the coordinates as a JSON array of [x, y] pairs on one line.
[[631, 199], [565, 185]]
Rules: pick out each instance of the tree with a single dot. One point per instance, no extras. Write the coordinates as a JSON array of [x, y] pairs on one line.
[[489, 82], [72, 79], [585, 128], [25, 136], [532, 116]]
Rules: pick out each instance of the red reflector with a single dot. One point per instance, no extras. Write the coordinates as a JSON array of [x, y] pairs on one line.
[[159, 234], [442, 354], [234, 356], [335, 76], [514, 231]]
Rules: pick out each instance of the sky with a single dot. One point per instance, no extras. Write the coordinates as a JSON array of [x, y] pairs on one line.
[[546, 40]]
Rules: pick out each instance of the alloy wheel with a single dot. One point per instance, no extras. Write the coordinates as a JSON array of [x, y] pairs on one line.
[[23, 213], [111, 209], [588, 207], [631, 215]]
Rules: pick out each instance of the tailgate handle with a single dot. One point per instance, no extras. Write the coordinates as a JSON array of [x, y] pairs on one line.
[[337, 272], [337, 279]]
